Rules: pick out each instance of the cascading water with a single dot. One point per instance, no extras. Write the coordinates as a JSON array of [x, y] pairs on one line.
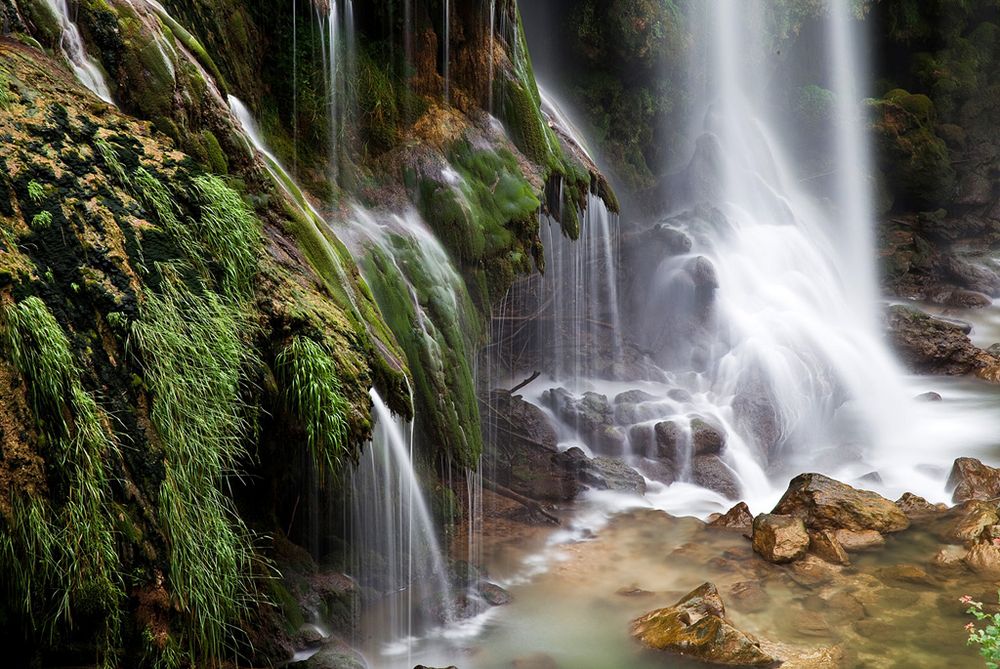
[[340, 69], [71, 43], [393, 540]]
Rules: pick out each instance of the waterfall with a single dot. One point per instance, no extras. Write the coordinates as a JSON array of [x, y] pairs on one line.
[[340, 69], [87, 70], [394, 542]]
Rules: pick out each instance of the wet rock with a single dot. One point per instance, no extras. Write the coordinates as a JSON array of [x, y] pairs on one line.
[[928, 397], [334, 655], [916, 507], [522, 452], [632, 591], [309, 636], [824, 544], [634, 406], [591, 416], [811, 571], [971, 479], [611, 474], [642, 439], [738, 517], [949, 558], [930, 345], [756, 413], [984, 560], [905, 573], [696, 627], [709, 471], [493, 594], [671, 441], [778, 538], [968, 299], [861, 540], [681, 395], [824, 503], [707, 439], [659, 470], [967, 521], [749, 596]]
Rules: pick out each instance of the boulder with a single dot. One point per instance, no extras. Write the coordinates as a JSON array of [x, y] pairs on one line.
[[949, 558], [334, 655], [610, 474], [930, 345], [971, 479], [825, 545], [696, 627], [493, 593], [812, 572], [671, 441], [738, 517], [905, 574], [707, 439], [642, 439], [591, 416], [756, 413], [825, 504], [929, 397], [709, 471], [749, 596], [779, 538], [967, 521], [984, 560], [861, 540], [634, 406], [916, 507]]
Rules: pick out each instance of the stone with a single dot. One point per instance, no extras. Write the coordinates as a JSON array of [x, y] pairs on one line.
[[984, 560], [738, 517], [709, 471], [778, 538], [928, 397], [826, 504], [591, 416], [905, 573], [916, 507], [611, 474], [493, 594], [707, 439], [756, 413], [824, 545], [334, 655], [971, 479], [857, 541], [930, 345], [642, 439], [696, 627], [749, 596], [967, 521], [949, 558], [670, 440], [632, 591], [811, 571], [634, 406]]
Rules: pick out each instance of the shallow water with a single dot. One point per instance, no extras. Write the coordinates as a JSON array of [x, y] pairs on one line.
[[574, 611]]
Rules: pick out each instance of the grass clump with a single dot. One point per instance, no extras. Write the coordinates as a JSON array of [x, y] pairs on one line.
[[42, 219], [227, 232], [65, 556], [36, 192], [312, 393], [195, 364]]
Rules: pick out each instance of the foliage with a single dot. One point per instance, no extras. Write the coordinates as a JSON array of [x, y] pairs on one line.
[[36, 192], [195, 363], [42, 219], [4, 90], [227, 234], [64, 556], [987, 634], [311, 390]]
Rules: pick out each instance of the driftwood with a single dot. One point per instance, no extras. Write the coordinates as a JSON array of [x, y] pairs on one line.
[[522, 384], [528, 503]]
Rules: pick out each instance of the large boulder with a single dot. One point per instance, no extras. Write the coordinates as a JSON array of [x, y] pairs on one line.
[[779, 539], [984, 560], [967, 521], [738, 517], [918, 508], [707, 439], [930, 345], [334, 655], [610, 474], [971, 479], [591, 416], [709, 471], [825, 504], [697, 627]]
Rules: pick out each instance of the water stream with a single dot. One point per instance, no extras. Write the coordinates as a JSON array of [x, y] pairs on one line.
[[86, 69]]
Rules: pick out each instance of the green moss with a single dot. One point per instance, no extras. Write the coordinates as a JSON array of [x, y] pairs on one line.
[[311, 390]]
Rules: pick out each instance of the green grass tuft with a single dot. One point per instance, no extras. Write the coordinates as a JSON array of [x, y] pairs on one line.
[[42, 219], [311, 390], [195, 364], [36, 192], [227, 233]]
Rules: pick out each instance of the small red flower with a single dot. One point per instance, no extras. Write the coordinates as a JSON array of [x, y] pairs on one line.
[[970, 627], [966, 599]]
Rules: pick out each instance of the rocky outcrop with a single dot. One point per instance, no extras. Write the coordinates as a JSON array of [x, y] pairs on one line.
[[971, 479], [697, 627], [591, 415], [825, 504], [779, 538], [931, 345]]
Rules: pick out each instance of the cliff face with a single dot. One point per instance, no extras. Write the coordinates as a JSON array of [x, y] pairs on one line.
[[186, 344]]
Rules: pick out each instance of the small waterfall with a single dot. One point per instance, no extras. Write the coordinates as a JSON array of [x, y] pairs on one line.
[[87, 70], [340, 68], [394, 542]]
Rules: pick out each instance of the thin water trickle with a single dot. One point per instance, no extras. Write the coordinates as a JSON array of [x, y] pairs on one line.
[[86, 69]]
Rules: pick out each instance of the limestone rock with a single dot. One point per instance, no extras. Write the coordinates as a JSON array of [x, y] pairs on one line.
[[779, 538], [971, 479], [824, 545], [825, 504], [696, 627], [984, 560], [854, 542], [738, 517]]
